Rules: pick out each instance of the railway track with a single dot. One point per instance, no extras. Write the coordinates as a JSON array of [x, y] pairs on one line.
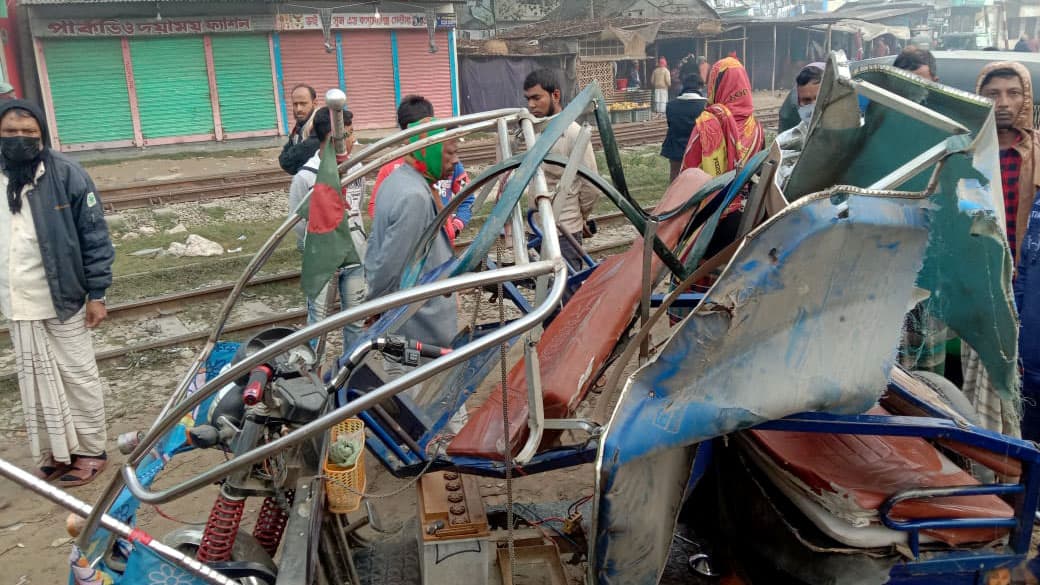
[[247, 183], [172, 303], [207, 188]]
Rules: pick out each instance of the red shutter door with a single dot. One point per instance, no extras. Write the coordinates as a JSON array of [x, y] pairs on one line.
[[304, 60], [423, 72], [369, 71]]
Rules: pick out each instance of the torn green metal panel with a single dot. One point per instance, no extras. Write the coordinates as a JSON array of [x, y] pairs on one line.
[[844, 148], [968, 266]]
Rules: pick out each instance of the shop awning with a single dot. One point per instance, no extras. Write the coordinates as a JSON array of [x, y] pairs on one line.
[[869, 30]]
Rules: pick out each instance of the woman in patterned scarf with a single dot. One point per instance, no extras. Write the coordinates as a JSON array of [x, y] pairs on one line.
[[727, 133]]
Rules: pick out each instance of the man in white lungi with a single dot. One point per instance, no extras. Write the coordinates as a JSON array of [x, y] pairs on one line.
[[661, 80], [55, 266]]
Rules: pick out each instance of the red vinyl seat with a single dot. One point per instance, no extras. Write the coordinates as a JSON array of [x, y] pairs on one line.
[[579, 340]]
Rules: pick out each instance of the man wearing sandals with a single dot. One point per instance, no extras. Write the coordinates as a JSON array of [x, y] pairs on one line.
[[55, 265]]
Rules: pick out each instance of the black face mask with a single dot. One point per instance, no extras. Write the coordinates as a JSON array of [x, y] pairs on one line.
[[20, 148]]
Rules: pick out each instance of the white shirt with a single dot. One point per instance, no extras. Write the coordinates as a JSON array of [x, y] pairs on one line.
[[304, 181], [24, 292]]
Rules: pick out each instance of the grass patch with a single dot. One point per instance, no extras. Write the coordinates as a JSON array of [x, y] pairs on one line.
[[181, 155], [216, 213], [137, 277]]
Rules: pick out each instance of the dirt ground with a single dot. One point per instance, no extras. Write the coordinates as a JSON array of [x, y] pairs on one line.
[[34, 545]]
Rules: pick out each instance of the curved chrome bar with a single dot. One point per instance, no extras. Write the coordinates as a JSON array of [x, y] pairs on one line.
[[478, 122], [368, 400], [506, 113], [80, 508]]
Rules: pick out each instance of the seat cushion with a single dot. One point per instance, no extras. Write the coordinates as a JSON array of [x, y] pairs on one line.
[[579, 340], [852, 475]]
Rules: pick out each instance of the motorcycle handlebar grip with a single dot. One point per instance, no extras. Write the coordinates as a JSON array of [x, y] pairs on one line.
[[258, 380], [427, 350]]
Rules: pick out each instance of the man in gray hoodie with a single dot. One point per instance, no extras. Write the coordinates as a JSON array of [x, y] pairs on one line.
[[406, 206]]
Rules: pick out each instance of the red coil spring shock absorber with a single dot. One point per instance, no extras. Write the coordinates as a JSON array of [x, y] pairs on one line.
[[270, 524], [221, 529]]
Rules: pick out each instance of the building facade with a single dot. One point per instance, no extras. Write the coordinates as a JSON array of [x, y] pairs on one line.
[[143, 74]]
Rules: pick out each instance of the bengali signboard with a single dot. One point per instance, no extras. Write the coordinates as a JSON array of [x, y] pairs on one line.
[[132, 27], [107, 27], [291, 22]]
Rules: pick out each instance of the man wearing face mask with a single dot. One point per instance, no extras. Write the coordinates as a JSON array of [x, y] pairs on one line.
[[801, 102], [55, 266]]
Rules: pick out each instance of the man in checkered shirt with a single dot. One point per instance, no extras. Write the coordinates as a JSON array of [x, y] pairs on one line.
[[1009, 85]]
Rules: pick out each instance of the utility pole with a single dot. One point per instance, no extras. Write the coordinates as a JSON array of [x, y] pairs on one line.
[[592, 9], [494, 20]]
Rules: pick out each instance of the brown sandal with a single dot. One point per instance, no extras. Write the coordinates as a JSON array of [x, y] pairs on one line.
[[51, 470], [82, 471]]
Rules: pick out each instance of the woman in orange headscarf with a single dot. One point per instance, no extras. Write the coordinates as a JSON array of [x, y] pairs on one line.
[[727, 133]]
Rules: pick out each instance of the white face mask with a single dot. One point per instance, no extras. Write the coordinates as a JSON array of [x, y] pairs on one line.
[[806, 112]]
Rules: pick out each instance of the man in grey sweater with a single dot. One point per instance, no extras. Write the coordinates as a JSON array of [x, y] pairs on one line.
[[406, 206]]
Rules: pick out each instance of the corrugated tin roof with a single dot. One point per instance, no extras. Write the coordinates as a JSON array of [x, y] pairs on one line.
[[864, 13], [432, 3], [558, 29], [613, 8]]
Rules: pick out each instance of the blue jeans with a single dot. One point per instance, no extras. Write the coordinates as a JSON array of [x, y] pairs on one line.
[[352, 292]]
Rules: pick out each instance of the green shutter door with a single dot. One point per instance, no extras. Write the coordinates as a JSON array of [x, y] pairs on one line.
[[88, 90], [172, 86], [243, 68]]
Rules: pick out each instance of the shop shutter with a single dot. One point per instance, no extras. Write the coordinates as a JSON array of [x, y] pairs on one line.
[[369, 71], [243, 68], [88, 89], [172, 86], [304, 60], [423, 72]]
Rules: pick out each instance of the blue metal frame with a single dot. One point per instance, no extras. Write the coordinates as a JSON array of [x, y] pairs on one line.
[[931, 428], [339, 63], [277, 42], [453, 69], [914, 527], [397, 69]]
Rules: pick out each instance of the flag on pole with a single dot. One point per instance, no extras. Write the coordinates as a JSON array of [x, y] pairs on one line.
[[328, 244]]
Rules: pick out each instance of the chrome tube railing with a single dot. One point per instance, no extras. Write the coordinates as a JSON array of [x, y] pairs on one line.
[[462, 125]]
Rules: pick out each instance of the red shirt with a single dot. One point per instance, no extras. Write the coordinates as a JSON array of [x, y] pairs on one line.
[[1010, 163]]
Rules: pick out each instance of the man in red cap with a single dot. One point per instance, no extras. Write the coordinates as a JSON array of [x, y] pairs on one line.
[[661, 80]]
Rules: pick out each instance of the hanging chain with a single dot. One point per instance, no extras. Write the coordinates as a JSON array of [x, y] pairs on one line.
[[507, 455]]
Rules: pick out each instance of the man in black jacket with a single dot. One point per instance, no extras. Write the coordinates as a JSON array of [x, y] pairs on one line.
[[55, 266], [302, 144], [682, 114]]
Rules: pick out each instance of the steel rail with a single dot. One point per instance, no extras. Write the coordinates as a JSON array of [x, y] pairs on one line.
[[82, 509], [476, 122], [364, 402]]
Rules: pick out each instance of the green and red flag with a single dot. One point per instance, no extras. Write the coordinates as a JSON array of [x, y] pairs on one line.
[[328, 244]]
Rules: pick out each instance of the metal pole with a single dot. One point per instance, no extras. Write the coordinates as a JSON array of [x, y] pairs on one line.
[[772, 80], [335, 100], [744, 55], [644, 302], [829, 39], [140, 538], [516, 219]]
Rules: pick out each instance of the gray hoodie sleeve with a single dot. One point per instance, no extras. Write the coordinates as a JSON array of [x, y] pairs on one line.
[[398, 225]]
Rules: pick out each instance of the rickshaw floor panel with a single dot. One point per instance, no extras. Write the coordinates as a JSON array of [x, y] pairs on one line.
[[394, 561]]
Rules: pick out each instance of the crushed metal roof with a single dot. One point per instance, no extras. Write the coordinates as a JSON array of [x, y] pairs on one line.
[[557, 29], [863, 12]]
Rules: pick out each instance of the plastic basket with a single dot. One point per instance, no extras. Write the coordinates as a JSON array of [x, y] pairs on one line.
[[345, 486], [642, 115]]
